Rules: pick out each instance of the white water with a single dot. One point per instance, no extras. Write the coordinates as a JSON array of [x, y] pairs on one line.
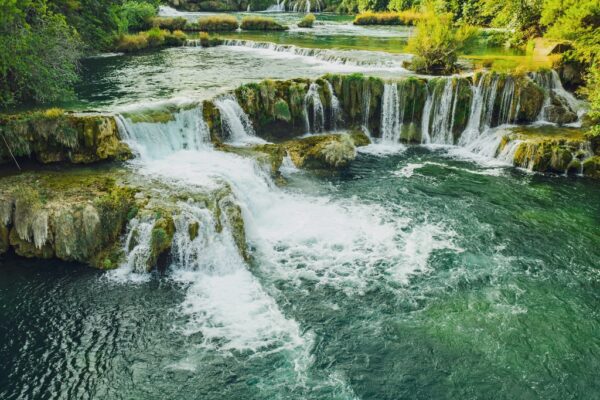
[[234, 121], [443, 111], [550, 82], [350, 60], [336, 110], [314, 112], [392, 114]]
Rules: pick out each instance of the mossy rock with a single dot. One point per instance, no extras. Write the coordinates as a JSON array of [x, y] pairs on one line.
[[323, 151], [591, 167]]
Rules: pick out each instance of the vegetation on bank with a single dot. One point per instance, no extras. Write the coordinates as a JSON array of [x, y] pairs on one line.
[[307, 21], [407, 17], [261, 24], [217, 23], [153, 38]]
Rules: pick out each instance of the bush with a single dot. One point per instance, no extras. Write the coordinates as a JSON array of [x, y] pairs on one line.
[[136, 15], [307, 21], [408, 17], [133, 42], [172, 24], [592, 92], [436, 43], [156, 37], [261, 24], [175, 38], [217, 23]]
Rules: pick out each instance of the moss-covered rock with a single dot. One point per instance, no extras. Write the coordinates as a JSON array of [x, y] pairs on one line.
[[72, 216], [591, 167], [55, 136], [530, 100], [324, 151]]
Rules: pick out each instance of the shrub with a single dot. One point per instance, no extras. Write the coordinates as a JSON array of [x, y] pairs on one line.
[[175, 38], [156, 37], [307, 21], [54, 113], [135, 15], [592, 92], [131, 43], [172, 24], [261, 24], [436, 43], [217, 23], [408, 17]]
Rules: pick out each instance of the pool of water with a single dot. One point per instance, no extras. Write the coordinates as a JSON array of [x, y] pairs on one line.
[[416, 274]]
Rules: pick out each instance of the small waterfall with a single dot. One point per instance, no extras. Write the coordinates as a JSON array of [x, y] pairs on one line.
[[444, 107], [234, 121], [354, 58], [366, 108], [138, 244], [312, 102], [506, 102], [335, 112], [482, 109], [392, 113], [173, 131], [279, 7], [550, 82]]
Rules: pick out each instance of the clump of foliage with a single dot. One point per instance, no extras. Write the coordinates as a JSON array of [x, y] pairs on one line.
[[39, 52], [217, 23], [208, 41], [135, 15], [436, 43], [172, 24], [261, 24], [153, 38], [592, 92], [408, 17], [307, 21]]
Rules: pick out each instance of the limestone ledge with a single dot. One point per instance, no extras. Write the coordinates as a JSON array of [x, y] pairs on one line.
[[82, 215], [552, 149], [53, 136]]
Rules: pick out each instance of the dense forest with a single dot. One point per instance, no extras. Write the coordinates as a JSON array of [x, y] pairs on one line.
[[41, 41]]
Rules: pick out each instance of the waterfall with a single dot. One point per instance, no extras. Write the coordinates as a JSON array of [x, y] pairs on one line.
[[179, 130], [550, 82], [366, 108], [335, 112], [235, 122], [392, 113], [312, 102], [363, 59], [482, 109], [138, 244], [506, 102], [279, 7], [443, 109]]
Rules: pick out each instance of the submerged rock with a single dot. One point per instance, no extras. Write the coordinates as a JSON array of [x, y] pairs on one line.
[[54, 136]]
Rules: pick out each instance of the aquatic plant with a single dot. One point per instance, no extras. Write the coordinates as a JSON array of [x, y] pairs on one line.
[[217, 23], [407, 17], [261, 24], [172, 24], [307, 21]]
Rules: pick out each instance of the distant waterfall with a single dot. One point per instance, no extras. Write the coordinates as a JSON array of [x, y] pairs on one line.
[[279, 7], [176, 130], [314, 112], [235, 122]]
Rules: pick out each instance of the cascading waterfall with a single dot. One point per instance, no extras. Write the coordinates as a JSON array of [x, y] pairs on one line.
[[184, 130], [313, 106], [363, 59], [392, 113], [443, 108], [235, 122], [335, 111], [279, 7], [366, 108], [482, 108], [550, 82]]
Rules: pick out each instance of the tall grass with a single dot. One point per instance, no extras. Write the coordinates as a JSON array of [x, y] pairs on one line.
[[307, 21], [407, 17], [261, 24], [172, 24], [217, 23], [153, 38]]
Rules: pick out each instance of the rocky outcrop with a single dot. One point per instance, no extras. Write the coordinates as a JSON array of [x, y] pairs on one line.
[[54, 136], [74, 216], [547, 149]]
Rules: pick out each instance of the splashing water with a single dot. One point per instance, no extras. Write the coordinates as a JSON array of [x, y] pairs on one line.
[[235, 122]]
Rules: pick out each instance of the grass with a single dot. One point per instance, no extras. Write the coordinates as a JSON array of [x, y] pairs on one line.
[[217, 23], [153, 38], [407, 17], [307, 21], [172, 24], [261, 24]]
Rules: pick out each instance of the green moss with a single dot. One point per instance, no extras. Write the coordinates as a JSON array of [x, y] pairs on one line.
[[282, 111]]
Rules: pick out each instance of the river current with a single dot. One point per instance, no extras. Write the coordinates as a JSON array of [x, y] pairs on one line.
[[421, 272]]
